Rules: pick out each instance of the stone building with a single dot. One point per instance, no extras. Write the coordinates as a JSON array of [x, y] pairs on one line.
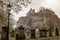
[[44, 18], [3, 16]]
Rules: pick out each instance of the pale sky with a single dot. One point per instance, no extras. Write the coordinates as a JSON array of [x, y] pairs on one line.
[[36, 4]]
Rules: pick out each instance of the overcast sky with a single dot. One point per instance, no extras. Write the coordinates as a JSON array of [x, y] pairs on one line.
[[36, 4]]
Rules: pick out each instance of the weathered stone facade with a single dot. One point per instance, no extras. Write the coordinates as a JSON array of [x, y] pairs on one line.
[[44, 18], [3, 16]]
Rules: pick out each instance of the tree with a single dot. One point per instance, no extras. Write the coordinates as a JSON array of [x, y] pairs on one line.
[[16, 7], [16, 4]]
